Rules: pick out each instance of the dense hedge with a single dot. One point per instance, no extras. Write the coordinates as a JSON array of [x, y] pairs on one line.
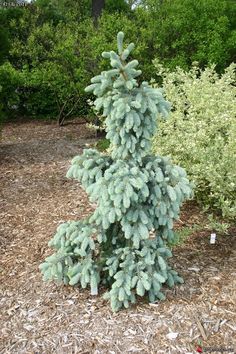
[[51, 48]]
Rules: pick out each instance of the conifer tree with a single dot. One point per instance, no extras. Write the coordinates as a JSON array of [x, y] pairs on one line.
[[123, 245]]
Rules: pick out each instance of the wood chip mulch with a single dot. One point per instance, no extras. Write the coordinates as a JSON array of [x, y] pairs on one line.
[[45, 318]]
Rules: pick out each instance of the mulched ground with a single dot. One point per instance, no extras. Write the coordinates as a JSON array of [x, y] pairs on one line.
[[44, 318]]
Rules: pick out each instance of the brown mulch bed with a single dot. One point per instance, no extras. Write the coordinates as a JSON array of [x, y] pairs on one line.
[[44, 318]]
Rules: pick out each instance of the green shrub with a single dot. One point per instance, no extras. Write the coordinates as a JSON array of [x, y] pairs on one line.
[[1, 113], [54, 79], [10, 80], [185, 31], [103, 145], [201, 132]]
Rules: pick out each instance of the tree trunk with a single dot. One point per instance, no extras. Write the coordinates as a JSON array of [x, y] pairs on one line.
[[97, 7]]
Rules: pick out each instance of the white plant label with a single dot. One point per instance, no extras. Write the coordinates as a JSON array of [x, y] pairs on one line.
[[213, 239]]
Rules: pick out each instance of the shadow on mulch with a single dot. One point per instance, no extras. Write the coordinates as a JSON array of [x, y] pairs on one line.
[[36, 152], [44, 143]]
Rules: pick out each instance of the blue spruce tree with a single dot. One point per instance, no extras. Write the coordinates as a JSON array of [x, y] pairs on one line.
[[124, 243]]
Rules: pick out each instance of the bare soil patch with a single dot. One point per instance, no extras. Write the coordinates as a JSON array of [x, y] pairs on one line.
[[44, 318]]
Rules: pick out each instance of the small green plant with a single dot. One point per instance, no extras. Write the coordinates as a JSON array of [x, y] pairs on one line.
[[103, 144], [216, 225], [183, 234], [124, 243]]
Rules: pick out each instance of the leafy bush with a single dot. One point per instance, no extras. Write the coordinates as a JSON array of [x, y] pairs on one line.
[[201, 132], [10, 80], [1, 114], [53, 73], [185, 31], [103, 145]]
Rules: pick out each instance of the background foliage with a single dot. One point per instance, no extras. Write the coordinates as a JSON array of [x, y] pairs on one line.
[[50, 48]]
